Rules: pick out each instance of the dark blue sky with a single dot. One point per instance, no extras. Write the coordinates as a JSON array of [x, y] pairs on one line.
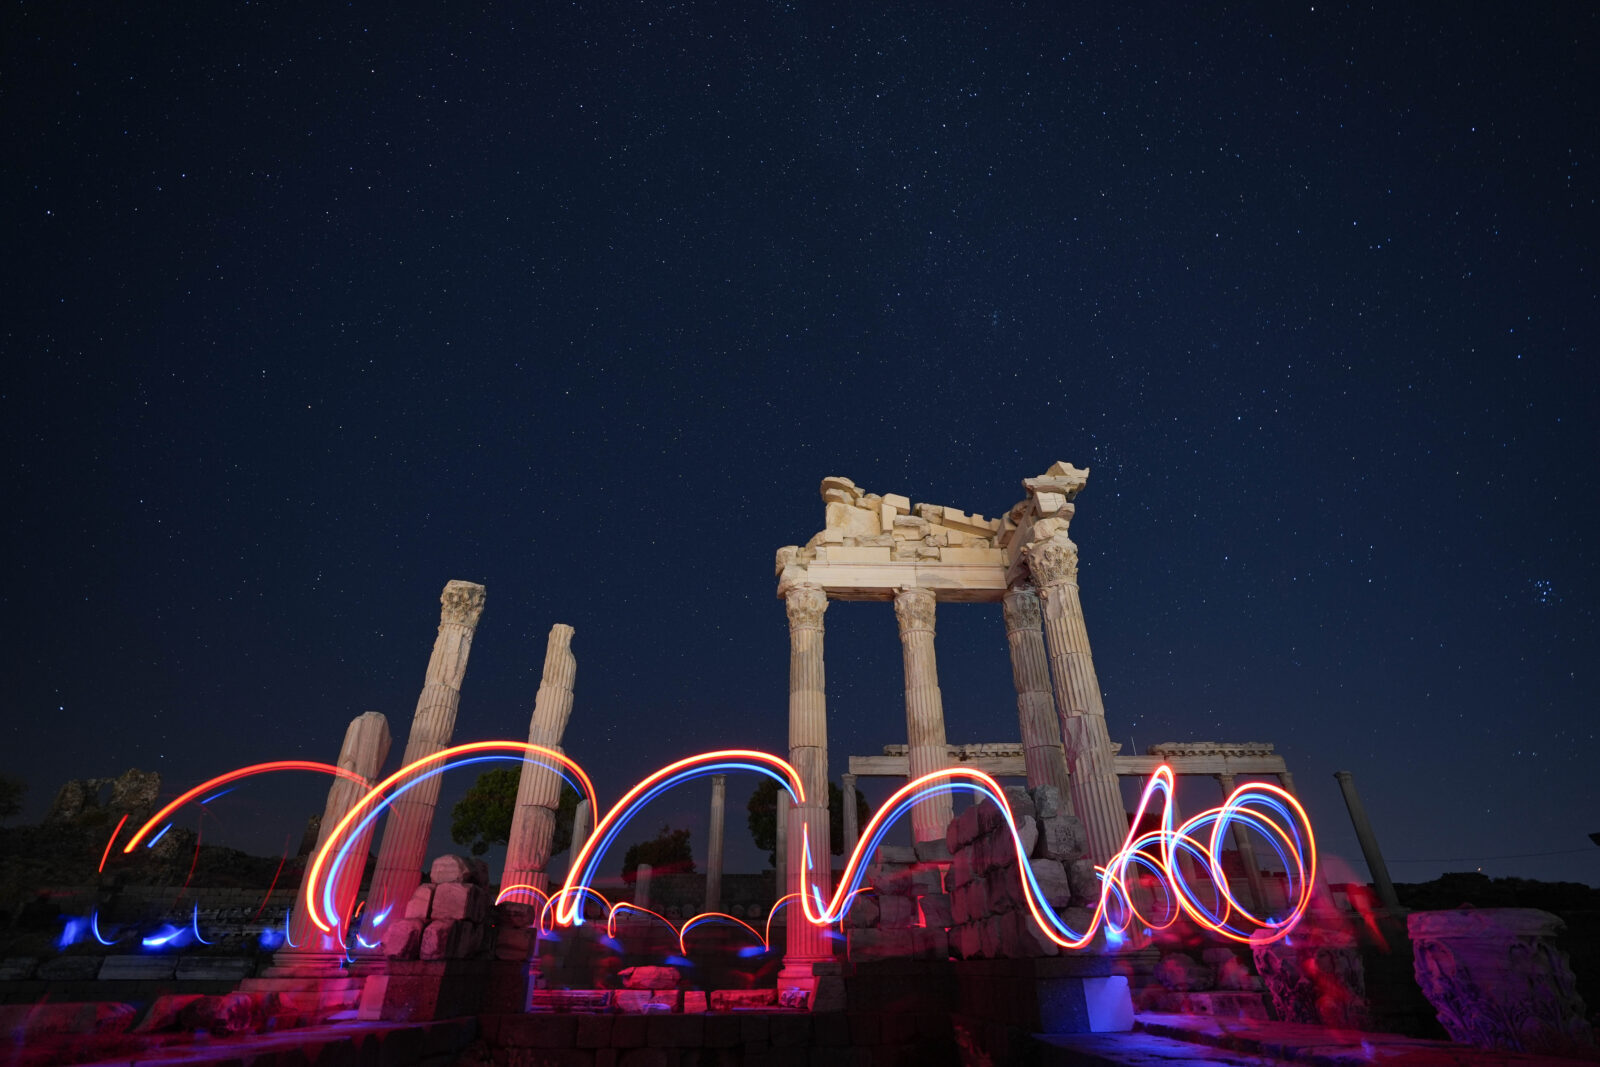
[[304, 314]]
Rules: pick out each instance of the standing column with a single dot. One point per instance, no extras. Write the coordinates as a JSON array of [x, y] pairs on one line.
[[1096, 798], [852, 832], [1247, 852], [533, 823], [914, 608], [410, 821], [719, 806], [1286, 780], [582, 826], [1043, 755], [1368, 839], [780, 855], [808, 752], [366, 746]]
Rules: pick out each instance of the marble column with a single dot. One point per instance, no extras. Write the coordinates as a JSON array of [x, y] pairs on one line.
[[1247, 853], [410, 820], [366, 746], [780, 853], [582, 827], [808, 752], [719, 806], [1369, 841], [852, 832], [915, 609], [533, 822], [1043, 756], [1286, 779], [641, 886], [1096, 797]]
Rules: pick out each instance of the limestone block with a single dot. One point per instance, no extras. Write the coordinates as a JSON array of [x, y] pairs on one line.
[[650, 978], [828, 996], [936, 910], [165, 1012], [421, 900], [958, 906], [1052, 879], [863, 912], [513, 943], [978, 899], [961, 868], [450, 868], [1047, 801], [1005, 891], [901, 855], [458, 900], [17, 968], [647, 1001], [927, 880], [1020, 801], [1028, 831], [1064, 838], [899, 883], [516, 915], [471, 939], [962, 829], [835, 483], [1003, 851], [989, 937], [733, 999], [967, 941], [1085, 882], [989, 819], [230, 1013], [694, 1001], [932, 851], [1182, 972], [1021, 938], [70, 969], [974, 557], [895, 912], [867, 945], [930, 943], [441, 939]]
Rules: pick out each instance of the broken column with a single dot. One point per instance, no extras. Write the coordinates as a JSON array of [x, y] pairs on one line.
[[808, 753], [366, 746], [719, 805], [1043, 756], [410, 820], [539, 788], [1369, 841], [914, 608], [1053, 560]]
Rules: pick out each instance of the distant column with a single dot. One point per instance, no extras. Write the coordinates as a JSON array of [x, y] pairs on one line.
[[805, 603], [641, 886], [366, 746], [780, 852], [914, 609], [1286, 779], [582, 826], [533, 823], [1368, 839], [719, 805], [1247, 852], [1096, 797], [410, 820], [852, 832], [1043, 755]]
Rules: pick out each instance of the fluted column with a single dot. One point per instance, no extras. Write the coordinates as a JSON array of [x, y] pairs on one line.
[[1368, 840], [1247, 852], [582, 826], [533, 822], [914, 608], [780, 853], [852, 832], [366, 746], [1042, 753], [410, 819], [1096, 798], [719, 808], [808, 752]]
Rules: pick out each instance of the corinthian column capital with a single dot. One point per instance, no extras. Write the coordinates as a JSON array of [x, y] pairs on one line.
[[1021, 608], [805, 602], [462, 603], [915, 608], [1053, 560]]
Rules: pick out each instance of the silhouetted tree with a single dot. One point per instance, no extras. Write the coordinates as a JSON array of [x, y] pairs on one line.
[[762, 810], [482, 817], [669, 853], [12, 790]]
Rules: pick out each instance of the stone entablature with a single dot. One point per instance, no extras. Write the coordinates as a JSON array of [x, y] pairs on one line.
[[873, 545], [963, 753], [1236, 749]]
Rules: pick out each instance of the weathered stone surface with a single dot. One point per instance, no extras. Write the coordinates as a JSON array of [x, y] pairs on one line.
[[213, 968], [904, 855], [867, 945], [1497, 980], [896, 912], [24, 1023], [137, 968], [933, 850], [1319, 979], [1020, 801], [17, 968], [516, 915], [421, 900], [935, 909], [403, 939], [513, 943], [650, 978], [863, 912], [444, 939], [231, 1013], [646, 1001], [1028, 831], [694, 1001], [1047, 801], [1085, 882], [448, 869], [456, 900], [1052, 879], [731, 999], [1062, 838], [165, 1012], [1182, 972], [69, 969]]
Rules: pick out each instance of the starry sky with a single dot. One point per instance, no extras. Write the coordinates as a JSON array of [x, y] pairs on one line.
[[304, 313]]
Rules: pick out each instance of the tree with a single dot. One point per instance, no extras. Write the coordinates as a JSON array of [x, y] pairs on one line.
[[763, 818], [483, 816], [669, 853], [12, 790]]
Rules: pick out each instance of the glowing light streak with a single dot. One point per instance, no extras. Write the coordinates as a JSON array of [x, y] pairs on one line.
[[107, 853], [233, 776], [336, 843], [580, 891], [582, 869], [214, 796], [72, 932], [197, 936], [773, 914], [364, 943], [158, 837], [94, 927], [288, 937], [714, 916], [163, 937], [521, 888], [611, 920]]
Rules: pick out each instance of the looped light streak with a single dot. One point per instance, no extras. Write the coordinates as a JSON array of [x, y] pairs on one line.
[[1255, 807], [233, 776], [412, 773]]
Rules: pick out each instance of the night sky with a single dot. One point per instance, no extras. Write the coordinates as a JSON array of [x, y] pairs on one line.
[[305, 313]]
